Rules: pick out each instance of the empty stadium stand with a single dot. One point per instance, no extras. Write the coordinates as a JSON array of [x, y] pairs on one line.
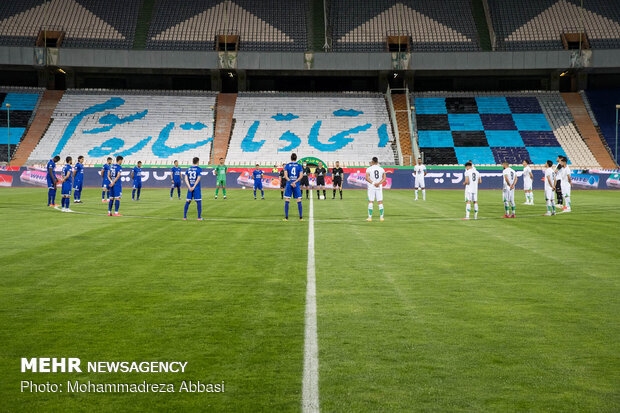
[[86, 23], [150, 126], [349, 128], [488, 129], [603, 106], [447, 27], [535, 25], [22, 102], [278, 25]]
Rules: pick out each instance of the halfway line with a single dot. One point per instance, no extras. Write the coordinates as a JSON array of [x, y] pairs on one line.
[[310, 385]]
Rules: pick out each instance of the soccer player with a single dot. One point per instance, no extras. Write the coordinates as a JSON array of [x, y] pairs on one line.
[[420, 172], [52, 181], [116, 187], [282, 182], [105, 185], [305, 179], [550, 188], [337, 175], [176, 180], [320, 173], [528, 178], [136, 175], [220, 171], [293, 175], [258, 182], [375, 177], [471, 182], [566, 183], [192, 180], [510, 181], [67, 175], [78, 180]]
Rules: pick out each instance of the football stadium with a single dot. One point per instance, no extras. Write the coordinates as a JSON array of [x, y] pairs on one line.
[[309, 205]]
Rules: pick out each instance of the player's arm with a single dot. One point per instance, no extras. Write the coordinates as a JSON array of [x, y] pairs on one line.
[[551, 183], [51, 173], [466, 181], [514, 184], [382, 180], [368, 177], [570, 180], [74, 172], [425, 171], [507, 181], [531, 175], [285, 176], [132, 174], [196, 183]]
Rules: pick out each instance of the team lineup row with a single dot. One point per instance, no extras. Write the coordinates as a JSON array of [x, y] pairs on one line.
[[294, 178]]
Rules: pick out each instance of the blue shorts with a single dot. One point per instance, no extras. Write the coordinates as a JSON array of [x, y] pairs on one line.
[[295, 192], [105, 184], [137, 185], [258, 185], [116, 191], [176, 184], [66, 188], [77, 185], [50, 184], [196, 195]]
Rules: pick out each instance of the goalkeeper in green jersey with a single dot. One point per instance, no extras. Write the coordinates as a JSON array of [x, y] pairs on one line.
[[220, 172]]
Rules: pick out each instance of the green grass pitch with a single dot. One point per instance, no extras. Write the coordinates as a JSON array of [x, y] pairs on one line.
[[422, 312]]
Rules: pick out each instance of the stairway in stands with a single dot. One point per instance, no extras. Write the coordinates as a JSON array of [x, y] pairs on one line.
[[224, 110], [42, 120], [588, 130], [402, 121]]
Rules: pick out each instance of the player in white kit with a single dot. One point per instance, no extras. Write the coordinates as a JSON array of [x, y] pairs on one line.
[[419, 171], [566, 183], [375, 177], [528, 180], [550, 188], [509, 178], [472, 179]]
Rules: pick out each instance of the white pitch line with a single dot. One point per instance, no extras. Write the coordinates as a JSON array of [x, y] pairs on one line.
[[310, 385]]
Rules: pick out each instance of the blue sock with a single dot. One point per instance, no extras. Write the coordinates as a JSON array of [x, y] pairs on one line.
[[110, 205], [185, 210], [255, 193], [138, 193], [179, 192], [262, 193], [103, 194], [301, 209], [49, 196], [117, 203], [286, 208], [75, 195], [199, 207], [64, 202], [133, 194], [171, 192], [80, 195], [54, 196], [107, 195]]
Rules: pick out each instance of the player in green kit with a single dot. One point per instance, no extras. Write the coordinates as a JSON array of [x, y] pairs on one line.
[[220, 172]]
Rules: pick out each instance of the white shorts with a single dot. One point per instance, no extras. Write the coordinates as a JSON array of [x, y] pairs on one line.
[[509, 195], [375, 194], [471, 196], [566, 189], [527, 185], [419, 183], [549, 194]]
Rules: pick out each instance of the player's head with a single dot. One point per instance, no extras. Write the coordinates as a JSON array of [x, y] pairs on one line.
[[549, 163], [196, 160], [109, 160], [257, 167], [139, 164], [305, 164], [119, 159], [374, 160], [293, 157], [56, 158], [80, 159], [337, 164], [221, 161], [524, 163], [68, 159], [564, 161], [419, 161], [176, 163], [559, 159], [505, 164], [468, 165]]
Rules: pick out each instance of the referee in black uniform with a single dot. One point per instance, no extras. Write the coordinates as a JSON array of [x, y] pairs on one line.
[[304, 183], [282, 182], [337, 175], [320, 173]]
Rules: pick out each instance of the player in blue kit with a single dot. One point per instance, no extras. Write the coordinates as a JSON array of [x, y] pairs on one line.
[[67, 181], [293, 174], [136, 175], [52, 181], [78, 180], [192, 180], [116, 188], [258, 182], [105, 184], [176, 180]]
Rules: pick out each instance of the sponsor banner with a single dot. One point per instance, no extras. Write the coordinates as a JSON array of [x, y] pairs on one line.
[[354, 178]]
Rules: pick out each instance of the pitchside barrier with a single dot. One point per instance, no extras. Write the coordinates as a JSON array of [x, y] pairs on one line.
[[354, 178]]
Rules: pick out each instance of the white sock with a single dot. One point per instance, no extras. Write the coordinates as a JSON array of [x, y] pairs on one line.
[[416, 194], [467, 209], [381, 210], [424, 194], [370, 210], [476, 210]]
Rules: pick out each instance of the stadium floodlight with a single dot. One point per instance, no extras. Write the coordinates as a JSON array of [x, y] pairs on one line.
[[8, 127]]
